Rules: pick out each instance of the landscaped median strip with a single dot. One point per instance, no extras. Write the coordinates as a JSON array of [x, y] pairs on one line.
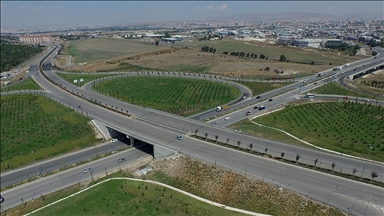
[[158, 183]]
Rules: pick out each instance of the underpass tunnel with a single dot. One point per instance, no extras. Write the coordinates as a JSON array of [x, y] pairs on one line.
[[131, 141]]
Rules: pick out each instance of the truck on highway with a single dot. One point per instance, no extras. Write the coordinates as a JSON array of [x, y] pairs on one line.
[[219, 108], [347, 65], [340, 68]]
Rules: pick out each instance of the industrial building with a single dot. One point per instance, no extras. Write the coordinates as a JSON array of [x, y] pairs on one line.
[[331, 43]]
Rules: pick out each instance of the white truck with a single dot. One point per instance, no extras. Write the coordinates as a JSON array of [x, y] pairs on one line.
[[218, 109], [347, 65]]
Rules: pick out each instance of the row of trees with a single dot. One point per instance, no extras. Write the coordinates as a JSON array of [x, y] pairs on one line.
[[208, 49], [374, 174], [13, 55]]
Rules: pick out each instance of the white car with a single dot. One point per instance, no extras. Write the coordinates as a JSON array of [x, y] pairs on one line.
[[88, 170], [244, 97], [227, 118], [113, 140], [179, 137]]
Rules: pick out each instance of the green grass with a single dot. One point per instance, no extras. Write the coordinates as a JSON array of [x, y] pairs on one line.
[[345, 127], [262, 87], [87, 77], [247, 127], [179, 96], [133, 198], [334, 88], [27, 84], [102, 48], [37, 123]]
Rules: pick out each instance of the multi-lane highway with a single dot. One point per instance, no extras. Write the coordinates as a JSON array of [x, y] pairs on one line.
[[335, 191]]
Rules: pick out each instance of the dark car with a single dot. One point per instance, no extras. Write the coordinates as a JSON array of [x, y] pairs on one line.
[[121, 160], [257, 97], [261, 107], [255, 107], [270, 99], [315, 83], [79, 107]]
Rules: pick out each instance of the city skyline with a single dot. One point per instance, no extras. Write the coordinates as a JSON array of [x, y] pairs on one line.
[[30, 14]]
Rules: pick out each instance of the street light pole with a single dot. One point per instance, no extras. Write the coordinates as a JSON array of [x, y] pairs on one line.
[[370, 147], [365, 213]]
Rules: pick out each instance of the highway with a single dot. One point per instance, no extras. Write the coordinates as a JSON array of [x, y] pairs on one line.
[[340, 194]]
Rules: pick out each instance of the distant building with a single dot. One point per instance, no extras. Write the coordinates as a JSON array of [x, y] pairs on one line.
[[331, 43], [36, 39]]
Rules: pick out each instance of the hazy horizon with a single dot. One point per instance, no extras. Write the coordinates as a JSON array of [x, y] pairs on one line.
[[30, 14]]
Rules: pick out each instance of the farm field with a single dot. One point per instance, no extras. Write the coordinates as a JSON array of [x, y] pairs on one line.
[[102, 49], [345, 127], [188, 57], [133, 198], [35, 123], [180, 96], [86, 77], [28, 84]]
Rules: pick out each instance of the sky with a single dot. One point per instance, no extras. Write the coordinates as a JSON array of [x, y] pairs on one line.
[[30, 14]]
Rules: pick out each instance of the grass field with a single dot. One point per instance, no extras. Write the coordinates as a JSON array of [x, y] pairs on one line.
[[262, 87], [86, 77], [101, 49], [133, 198], [345, 127], [28, 84], [179, 96], [247, 127], [35, 123], [334, 88]]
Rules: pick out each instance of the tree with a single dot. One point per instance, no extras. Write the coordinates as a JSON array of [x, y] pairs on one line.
[[333, 165], [262, 56], [265, 151], [354, 170], [167, 35], [250, 146], [197, 130], [238, 143], [206, 135], [298, 156], [282, 58], [282, 154], [266, 68], [374, 174], [157, 43], [227, 140], [216, 137], [315, 161]]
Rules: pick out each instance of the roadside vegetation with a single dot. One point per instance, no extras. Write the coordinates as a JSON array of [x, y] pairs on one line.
[[70, 77], [34, 128], [180, 96], [335, 89], [250, 128], [14, 54], [135, 198], [27, 84], [346, 127], [262, 87]]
